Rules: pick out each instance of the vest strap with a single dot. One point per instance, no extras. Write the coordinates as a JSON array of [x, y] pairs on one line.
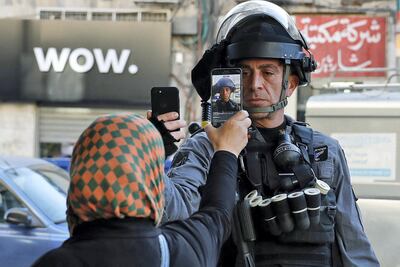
[[164, 251]]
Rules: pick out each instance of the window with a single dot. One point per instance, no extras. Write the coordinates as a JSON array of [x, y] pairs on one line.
[[133, 16], [50, 15], [48, 197], [7, 201], [75, 15]]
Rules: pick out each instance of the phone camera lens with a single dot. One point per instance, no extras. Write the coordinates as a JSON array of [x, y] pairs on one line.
[[159, 91]]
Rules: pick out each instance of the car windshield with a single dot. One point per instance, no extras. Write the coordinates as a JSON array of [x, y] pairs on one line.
[[47, 190]]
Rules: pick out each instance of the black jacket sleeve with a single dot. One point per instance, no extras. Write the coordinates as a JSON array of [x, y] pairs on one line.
[[198, 240], [219, 191]]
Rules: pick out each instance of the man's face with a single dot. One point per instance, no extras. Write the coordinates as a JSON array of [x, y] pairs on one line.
[[225, 93], [262, 83]]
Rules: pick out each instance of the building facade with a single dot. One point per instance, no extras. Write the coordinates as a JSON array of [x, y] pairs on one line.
[[68, 61]]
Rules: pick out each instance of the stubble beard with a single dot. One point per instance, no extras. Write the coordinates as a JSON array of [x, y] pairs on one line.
[[264, 119], [260, 115]]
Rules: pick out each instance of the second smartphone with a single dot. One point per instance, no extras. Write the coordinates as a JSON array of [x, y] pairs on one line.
[[164, 100]]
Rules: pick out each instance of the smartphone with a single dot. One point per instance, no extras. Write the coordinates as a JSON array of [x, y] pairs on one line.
[[164, 100], [226, 94]]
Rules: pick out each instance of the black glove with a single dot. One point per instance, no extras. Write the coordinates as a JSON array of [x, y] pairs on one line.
[[194, 127], [201, 73], [168, 140]]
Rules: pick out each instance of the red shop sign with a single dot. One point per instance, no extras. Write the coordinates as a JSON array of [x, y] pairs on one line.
[[344, 46]]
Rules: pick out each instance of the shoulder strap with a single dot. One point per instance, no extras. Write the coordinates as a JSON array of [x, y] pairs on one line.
[[164, 251], [304, 139], [259, 171]]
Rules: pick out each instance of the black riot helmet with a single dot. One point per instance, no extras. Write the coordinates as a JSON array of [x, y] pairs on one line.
[[260, 29]]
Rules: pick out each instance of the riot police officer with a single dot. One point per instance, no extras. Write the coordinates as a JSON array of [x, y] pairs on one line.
[[283, 157]]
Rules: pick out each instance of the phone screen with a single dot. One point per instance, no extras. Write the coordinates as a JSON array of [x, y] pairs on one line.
[[226, 94]]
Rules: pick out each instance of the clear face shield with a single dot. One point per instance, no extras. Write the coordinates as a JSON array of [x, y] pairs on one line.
[[250, 8]]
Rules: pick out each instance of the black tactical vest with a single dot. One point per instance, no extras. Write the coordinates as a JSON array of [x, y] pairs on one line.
[[310, 247]]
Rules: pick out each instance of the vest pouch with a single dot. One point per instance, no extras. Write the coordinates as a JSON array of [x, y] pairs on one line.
[[322, 233]]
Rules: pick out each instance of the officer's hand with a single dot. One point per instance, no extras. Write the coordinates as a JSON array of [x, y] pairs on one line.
[[232, 135], [166, 124], [171, 124]]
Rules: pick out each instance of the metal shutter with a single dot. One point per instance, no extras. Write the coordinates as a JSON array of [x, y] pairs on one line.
[[64, 125]]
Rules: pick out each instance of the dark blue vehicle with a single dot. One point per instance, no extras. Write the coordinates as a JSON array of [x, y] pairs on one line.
[[32, 209], [65, 162], [62, 162]]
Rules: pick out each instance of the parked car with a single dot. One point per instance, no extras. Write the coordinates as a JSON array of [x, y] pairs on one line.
[[62, 162], [32, 209], [65, 162]]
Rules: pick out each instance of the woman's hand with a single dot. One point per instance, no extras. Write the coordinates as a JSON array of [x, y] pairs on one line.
[[232, 136]]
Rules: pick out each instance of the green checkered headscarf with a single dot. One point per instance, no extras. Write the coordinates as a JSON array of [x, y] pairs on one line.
[[116, 170]]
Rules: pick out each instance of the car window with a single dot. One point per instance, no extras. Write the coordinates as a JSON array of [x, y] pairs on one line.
[[47, 197], [59, 180], [7, 201]]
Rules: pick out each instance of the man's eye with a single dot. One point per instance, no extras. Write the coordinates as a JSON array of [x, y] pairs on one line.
[[268, 73], [245, 72]]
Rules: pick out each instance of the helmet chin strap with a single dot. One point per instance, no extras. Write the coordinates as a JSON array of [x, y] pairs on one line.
[[282, 99]]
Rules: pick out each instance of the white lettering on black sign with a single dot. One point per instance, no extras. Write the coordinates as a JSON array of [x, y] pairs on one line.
[[82, 60]]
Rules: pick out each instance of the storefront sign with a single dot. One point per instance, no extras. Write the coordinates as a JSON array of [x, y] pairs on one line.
[[105, 63], [346, 46], [83, 63]]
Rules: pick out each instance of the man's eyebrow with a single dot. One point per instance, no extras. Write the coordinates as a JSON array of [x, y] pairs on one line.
[[273, 66], [243, 66]]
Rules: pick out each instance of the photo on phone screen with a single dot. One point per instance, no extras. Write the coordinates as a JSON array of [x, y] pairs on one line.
[[226, 94], [164, 100]]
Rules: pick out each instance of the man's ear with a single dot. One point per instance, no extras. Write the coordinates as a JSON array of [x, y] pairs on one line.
[[293, 83]]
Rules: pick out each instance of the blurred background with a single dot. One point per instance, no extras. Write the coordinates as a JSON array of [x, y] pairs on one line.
[[63, 62]]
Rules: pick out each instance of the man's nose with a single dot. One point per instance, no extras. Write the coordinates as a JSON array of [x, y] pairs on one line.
[[257, 81]]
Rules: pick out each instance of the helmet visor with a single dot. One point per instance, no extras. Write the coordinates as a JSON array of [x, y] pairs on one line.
[[251, 8]]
